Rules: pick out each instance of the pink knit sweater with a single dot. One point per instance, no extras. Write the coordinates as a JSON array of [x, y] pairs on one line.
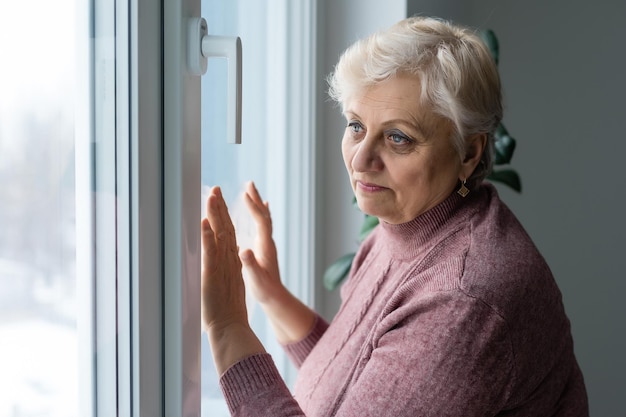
[[452, 314]]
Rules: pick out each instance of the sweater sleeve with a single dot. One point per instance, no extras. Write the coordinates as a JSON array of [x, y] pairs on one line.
[[298, 351], [253, 386]]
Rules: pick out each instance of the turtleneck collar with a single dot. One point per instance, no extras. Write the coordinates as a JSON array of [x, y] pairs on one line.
[[406, 240]]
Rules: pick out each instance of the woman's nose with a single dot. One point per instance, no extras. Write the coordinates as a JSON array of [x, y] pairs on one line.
[[367, 156]]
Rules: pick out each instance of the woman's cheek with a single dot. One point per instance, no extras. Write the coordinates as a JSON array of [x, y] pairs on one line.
[[347, 152]]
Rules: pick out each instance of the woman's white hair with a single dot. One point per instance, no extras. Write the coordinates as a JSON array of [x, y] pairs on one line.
[[458, 76]]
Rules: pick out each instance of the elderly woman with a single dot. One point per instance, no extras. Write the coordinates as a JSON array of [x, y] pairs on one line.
[[449, 309]]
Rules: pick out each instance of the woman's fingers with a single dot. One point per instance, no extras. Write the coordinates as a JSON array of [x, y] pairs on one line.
[[217, 213], [220, 222], [258, 276], [249, 261], [223, 294], [260, 210], [254, 193], [254, 201], [208, 244], [219, 241]]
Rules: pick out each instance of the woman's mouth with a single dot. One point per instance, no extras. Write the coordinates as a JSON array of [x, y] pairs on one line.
[[369, 187]]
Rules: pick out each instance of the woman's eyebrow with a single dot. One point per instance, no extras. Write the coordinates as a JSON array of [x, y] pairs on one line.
[[413, 124], [349, 113], [423, 128]]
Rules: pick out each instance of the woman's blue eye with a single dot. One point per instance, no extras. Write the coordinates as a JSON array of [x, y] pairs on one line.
[[398, 139], [355, 127]]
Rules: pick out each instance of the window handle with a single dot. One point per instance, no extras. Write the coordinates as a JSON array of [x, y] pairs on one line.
[[203, 46]]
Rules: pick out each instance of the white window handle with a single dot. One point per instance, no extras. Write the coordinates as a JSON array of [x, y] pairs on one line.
[[203, 46]]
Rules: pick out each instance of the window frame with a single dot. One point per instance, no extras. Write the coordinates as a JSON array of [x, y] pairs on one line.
[[146, 184], [119, 207], [297, 114], [140, 349]]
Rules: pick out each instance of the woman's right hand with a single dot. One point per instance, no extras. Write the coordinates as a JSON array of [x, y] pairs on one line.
[[262, 262]]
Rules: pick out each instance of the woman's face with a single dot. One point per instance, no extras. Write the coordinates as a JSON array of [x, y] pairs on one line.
[[398, 154]]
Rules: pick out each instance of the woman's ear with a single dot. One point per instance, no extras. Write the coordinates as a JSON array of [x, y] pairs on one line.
[[473, 153]]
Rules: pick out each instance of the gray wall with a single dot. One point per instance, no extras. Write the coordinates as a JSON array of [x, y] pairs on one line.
[[563, 65], [340, 23]]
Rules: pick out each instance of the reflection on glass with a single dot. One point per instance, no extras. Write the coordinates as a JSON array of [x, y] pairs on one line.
[[38, 339]]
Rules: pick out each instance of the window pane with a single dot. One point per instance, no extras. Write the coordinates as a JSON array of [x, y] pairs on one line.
[[38, 336], [220, 161], [231, 166]]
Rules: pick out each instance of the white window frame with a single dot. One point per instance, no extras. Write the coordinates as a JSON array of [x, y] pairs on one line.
[[119, 208], [146, 179], [181, 200]]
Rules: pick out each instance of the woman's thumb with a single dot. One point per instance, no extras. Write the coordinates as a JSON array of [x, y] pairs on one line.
[[249, 260]]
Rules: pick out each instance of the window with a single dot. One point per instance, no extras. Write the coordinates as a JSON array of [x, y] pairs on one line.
[[38, 303], [98, 251]]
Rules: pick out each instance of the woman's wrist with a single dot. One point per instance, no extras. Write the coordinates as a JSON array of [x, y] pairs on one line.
[[231, 343], [291, 319], [275, 298]]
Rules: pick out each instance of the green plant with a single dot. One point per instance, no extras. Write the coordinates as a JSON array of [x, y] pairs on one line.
[[504, 146]]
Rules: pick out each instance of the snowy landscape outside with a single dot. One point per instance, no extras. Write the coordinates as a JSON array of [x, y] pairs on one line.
[[38, 336]]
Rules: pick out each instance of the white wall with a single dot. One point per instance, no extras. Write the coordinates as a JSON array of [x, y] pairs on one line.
[[562, 64]]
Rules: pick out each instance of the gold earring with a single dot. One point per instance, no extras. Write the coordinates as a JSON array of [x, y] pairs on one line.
[[463, 191]]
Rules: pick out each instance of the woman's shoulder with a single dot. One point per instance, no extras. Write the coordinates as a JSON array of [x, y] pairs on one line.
[[499, 247], [505, 270]]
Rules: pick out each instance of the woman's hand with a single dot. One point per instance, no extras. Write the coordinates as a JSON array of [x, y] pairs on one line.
[[224, 315], [262, 263], [291, 319], [223, 291]]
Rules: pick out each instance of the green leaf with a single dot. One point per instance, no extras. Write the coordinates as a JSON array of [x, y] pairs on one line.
[[504, 146], [338, 271], [507, 177], [489, 37], [368, 225]]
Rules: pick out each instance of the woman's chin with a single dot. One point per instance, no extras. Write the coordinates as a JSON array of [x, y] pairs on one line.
[[369, 209]]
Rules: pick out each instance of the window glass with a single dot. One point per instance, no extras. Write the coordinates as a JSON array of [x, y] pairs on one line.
[[38, 333], [232, 166]]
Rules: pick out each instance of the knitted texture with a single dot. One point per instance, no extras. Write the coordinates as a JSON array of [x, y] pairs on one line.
[[452, 314]]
